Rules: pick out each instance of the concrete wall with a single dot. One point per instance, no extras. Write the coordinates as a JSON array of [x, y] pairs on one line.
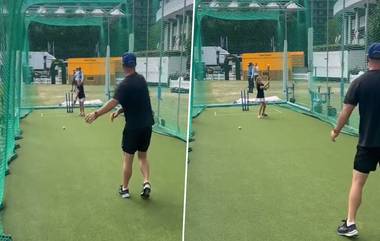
[[173, 7], [353, 59], [170, 65]]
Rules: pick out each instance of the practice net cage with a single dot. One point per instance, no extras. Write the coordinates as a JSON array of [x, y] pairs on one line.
[[309, 51], [42, 43]]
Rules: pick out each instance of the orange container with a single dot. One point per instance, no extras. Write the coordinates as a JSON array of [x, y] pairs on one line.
[[272, 59], [94, 69]]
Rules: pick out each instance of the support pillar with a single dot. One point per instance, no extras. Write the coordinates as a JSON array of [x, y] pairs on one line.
[[178, 32], [187, 33], [349, 35], [166, 36], [356, 26], [345, 31], [170, 35]]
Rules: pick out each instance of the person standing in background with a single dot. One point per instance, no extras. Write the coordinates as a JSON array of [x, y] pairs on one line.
[[256, 72], [251, 76]]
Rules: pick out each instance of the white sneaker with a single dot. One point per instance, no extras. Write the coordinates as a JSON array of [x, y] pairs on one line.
[[124, 193], [145, 193]]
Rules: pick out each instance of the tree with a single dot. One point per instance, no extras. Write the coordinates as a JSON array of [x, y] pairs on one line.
[[374, 24], [68, 41], [243, 35]]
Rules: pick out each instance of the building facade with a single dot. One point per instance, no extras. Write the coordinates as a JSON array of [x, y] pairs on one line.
[[356, 13], [177, 17]]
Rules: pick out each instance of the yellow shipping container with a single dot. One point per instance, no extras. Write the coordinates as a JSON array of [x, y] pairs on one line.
[[272, 59], [94, 69]]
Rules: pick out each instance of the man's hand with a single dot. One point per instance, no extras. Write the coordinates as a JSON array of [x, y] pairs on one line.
[[107, 107], [114, 115], [342, 120], [91, 117], [334, 134]]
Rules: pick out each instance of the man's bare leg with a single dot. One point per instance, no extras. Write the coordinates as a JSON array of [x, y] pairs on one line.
[[348, 227], [144, 165], [127, 169], [355, 197]]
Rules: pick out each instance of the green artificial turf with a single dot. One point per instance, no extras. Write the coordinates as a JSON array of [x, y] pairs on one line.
[[276, 179], [228, 91], [172, 106], [64, 184]]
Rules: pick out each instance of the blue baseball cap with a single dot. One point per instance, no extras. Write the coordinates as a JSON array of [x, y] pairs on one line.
[[129, 60], [374, 51]]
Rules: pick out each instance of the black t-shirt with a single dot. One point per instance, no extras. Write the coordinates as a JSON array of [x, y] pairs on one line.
[[365, 91], [133, 95]]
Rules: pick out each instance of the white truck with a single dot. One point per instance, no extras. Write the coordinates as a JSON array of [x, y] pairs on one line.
[[38, 62], [213, 55]]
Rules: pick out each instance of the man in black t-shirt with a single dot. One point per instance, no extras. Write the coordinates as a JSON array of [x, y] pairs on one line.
[[133, 96], [365, 92]]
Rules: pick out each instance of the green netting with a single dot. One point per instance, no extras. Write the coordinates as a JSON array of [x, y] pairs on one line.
[[10, 59], [142, 31], [332, 36], [27, 3], [250, 31], [339, 46], [78, 37], [88, 21], [238, 15]]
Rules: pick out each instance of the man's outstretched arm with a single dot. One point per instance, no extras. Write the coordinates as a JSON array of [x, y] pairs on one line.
[[107, 107], [342, 120]]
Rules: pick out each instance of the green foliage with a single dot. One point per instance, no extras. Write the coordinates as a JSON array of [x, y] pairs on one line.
[[243, 36], [188, 46], [374, 24], [334, 30], [154, 36], [69, 41]]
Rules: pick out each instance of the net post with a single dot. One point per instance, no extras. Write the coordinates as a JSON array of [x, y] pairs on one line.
[[285, 69], [242, 100], [108, 74], [66, 101]]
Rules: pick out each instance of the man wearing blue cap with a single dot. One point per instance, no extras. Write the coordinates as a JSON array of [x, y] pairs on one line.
[[365, 92], [133, 95]]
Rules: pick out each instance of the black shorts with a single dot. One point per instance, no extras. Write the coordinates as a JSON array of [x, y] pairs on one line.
[[260, 94], [367, 159], [81, 94], [136, 140]]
